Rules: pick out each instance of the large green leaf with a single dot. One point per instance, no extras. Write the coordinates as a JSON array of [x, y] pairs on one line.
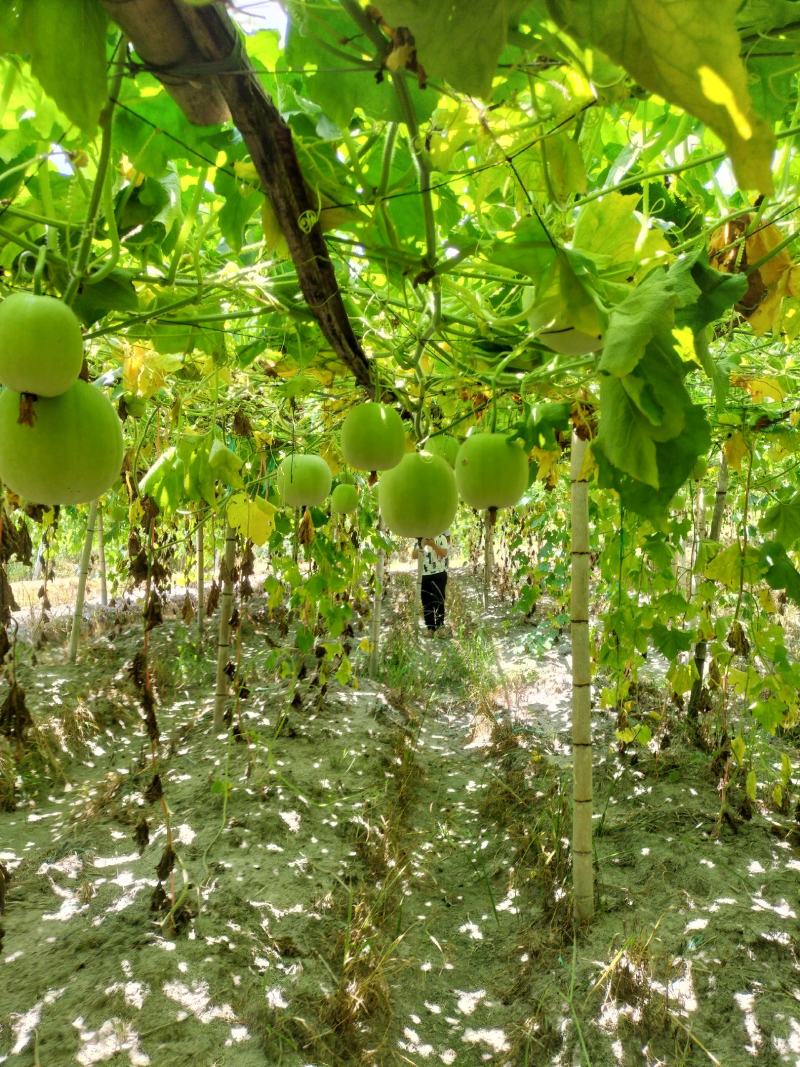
[[674, 461], [625, 436], [688, 52], [459, 41], [66, 44], [649, 309], [779, 570]]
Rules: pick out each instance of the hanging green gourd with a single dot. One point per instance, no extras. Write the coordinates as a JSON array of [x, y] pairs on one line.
[[303, 480], [64, 449], [41, 347], [373, 437], [491, 472], [344, 499], [418, 497], [445, 446]]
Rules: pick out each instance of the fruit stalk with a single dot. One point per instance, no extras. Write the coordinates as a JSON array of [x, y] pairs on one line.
[[83, 573], [582, 866]]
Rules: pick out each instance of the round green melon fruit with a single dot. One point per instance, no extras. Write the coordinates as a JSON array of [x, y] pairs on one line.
[[444, 446], [418, 497], [71, 453], [699, 469], [491, 471], [373, 438], [41, 347], [344, 499], [303, 480]]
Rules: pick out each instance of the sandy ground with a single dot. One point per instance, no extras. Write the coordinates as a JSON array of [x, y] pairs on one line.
[[380, 875]]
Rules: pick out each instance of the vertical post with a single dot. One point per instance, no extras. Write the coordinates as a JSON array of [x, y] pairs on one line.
[[420, 566], [224, 632], [701, 648], [489, 519], [375, 629], [582, 858], [201, 576], [101, 552], [83, 572]]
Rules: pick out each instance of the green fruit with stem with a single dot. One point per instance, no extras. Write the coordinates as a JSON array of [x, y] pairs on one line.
[[373, 438], [491, 471], [41, 347], [303, 480], [344, 499], [444, 446], [418, 497], [67, 450]]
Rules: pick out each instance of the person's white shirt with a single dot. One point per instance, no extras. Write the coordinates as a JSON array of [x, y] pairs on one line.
[[432, 563]]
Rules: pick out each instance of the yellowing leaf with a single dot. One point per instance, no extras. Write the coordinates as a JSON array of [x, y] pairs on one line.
[[767, 601], [739, 748], [684, 344], [761, 388], [689, 52], [254, 519], [735, 450], [245, 170], [732, 567], [681, 676], [274, 241], [548, 464], [145, 371], [364, 645], [750, 784]]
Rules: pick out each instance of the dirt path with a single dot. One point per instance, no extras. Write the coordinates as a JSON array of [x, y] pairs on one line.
[[383, 879]]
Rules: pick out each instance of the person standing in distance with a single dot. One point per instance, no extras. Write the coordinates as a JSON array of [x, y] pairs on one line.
[[435, 560]]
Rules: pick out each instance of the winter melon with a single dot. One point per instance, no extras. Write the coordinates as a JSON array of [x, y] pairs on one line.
[[491, 471], [418, 497], [443, 445], [373, 437], [344, 499], [67, 451], [41, 347], [303, 480]]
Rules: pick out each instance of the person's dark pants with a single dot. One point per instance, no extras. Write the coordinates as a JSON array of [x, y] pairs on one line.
[[432, 593]]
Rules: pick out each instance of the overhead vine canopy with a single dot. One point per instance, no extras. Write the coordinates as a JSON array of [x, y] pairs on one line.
[[452, 204]]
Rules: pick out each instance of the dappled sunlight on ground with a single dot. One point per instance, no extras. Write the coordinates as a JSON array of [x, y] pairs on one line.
[[381, 877]]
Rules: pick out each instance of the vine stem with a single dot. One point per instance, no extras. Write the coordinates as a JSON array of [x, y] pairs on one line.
[[106, 124]]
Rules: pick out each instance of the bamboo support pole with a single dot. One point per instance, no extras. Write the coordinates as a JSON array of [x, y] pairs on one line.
[[420, 570], [83, 574], [224, 632], [701, 648], [201, 577], [489, 520], [582, 857], [101, 554], [375, 626]]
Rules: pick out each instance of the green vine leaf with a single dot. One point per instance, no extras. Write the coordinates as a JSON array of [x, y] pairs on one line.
[[688, 52], [457, 40], [66, 43]]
